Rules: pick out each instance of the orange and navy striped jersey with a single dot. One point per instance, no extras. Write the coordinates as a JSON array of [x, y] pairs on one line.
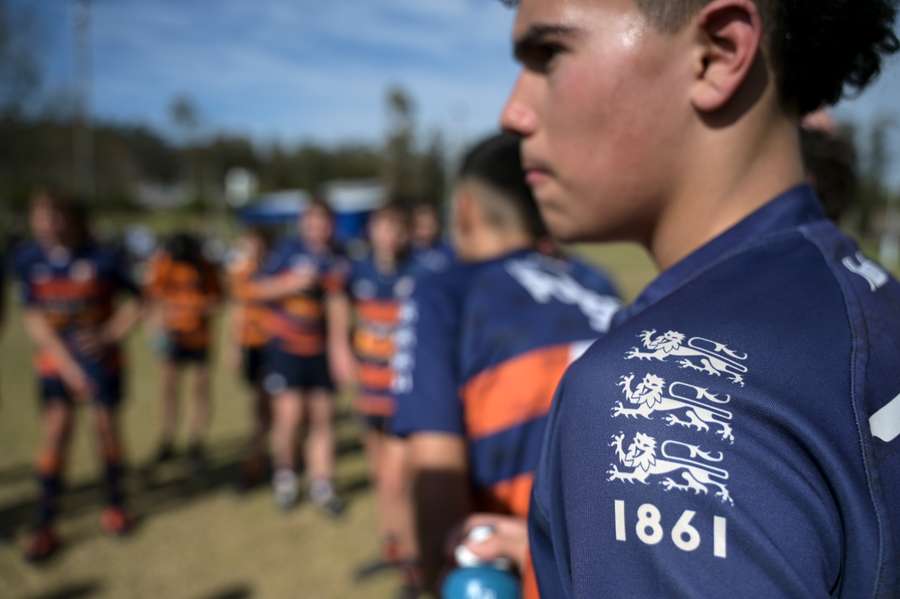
[[253, 331], [75, 290], [481, 352], [296, 324], [187, 293], [377, 299]]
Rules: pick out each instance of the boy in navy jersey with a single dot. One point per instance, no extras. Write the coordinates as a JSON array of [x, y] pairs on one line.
[[483, 348], [300, 283], [377, 287], [736, 433], [70, 287]]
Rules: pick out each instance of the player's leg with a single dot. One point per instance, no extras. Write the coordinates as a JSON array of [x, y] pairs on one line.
[[395, 478], [56, 431], [171, 380], [287, 415], [202, 413], [115, 519], [320, 451], [254, 466], [373, 443]]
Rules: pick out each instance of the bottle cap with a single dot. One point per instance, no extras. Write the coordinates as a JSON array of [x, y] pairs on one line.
[[466, 558]]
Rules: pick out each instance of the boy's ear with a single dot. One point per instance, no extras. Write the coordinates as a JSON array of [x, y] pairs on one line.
[[729, 34]]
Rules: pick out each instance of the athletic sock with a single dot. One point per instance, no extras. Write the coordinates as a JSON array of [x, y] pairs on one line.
[[113, 473], [49, 475]]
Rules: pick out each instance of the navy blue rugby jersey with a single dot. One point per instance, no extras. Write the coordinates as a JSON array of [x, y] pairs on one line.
[[737, 433], [377, 299], [296, 324], [483, 347], [435, 258]]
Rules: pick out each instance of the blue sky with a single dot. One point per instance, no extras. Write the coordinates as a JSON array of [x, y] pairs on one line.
[[312, 69]]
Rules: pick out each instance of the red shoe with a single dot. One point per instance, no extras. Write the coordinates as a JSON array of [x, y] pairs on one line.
[[42, 545], [116, 521]]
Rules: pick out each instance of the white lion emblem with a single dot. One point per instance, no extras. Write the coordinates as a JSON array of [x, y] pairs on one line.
[[698, 474], [698, 353], [695, 403]]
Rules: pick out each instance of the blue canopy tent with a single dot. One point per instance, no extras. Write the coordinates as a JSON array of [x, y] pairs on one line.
[[276, 208], [353, 201]]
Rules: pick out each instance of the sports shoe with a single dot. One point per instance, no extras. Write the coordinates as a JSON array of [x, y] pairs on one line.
[[196, 455], [253, 472], [286, 488], [165, 452], [322, 495], [116, 521], [42, 545]]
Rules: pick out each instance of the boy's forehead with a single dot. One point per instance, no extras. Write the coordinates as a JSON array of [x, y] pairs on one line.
[[571, 15]]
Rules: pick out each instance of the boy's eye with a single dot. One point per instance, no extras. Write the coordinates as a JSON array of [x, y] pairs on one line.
[[540, 57]]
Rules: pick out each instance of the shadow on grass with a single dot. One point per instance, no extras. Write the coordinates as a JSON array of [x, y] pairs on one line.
[[161, 489], [236, 591], [71, 590]]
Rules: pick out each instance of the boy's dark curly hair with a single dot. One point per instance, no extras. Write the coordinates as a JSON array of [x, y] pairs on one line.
[[820, 49]]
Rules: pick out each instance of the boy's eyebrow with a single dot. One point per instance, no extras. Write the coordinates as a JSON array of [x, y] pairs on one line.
[[537, 34]]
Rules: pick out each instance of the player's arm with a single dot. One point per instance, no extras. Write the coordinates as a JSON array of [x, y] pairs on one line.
[[440, 494], [129, 312], [429, 413], [127, 315], [43, 335], [338, 313]]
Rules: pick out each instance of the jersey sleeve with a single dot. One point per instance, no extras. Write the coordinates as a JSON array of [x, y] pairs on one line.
[[427, 379], [660, 481]]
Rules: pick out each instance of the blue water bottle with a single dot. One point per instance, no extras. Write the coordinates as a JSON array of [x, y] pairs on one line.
[[476, 579]]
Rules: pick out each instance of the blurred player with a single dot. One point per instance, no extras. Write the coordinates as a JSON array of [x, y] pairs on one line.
[[737, 432], [377, 287], [184, 289], [829, 159], [301, 283], [430, 249], [248, 325], [70, 285], [485, 345]]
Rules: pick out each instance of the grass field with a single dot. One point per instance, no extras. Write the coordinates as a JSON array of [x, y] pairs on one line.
[[197, 538]]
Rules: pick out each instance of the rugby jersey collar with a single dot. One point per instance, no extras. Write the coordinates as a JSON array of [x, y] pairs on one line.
[[797, 206]]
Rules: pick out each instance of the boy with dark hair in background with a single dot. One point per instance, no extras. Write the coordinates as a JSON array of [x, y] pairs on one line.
[[249, 338], [486, 344], [184, 289]]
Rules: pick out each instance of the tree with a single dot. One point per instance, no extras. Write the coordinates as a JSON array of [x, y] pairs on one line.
[[400, 161], [20, 75]]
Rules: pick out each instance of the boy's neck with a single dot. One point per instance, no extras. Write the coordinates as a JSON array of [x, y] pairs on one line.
[[733, 171], [385, 262]]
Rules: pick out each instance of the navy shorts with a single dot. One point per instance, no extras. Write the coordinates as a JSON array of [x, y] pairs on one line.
[[376, 423], [179, 354], [283, 371], [252, 365], [107, 389]]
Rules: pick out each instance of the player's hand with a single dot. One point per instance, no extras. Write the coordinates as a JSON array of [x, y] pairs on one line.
[[298, 279], [91, 343], [510, 538], [343, 367], [76, 380]]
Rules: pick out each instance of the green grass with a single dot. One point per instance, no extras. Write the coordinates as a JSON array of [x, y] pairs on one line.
[[197, 539]]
